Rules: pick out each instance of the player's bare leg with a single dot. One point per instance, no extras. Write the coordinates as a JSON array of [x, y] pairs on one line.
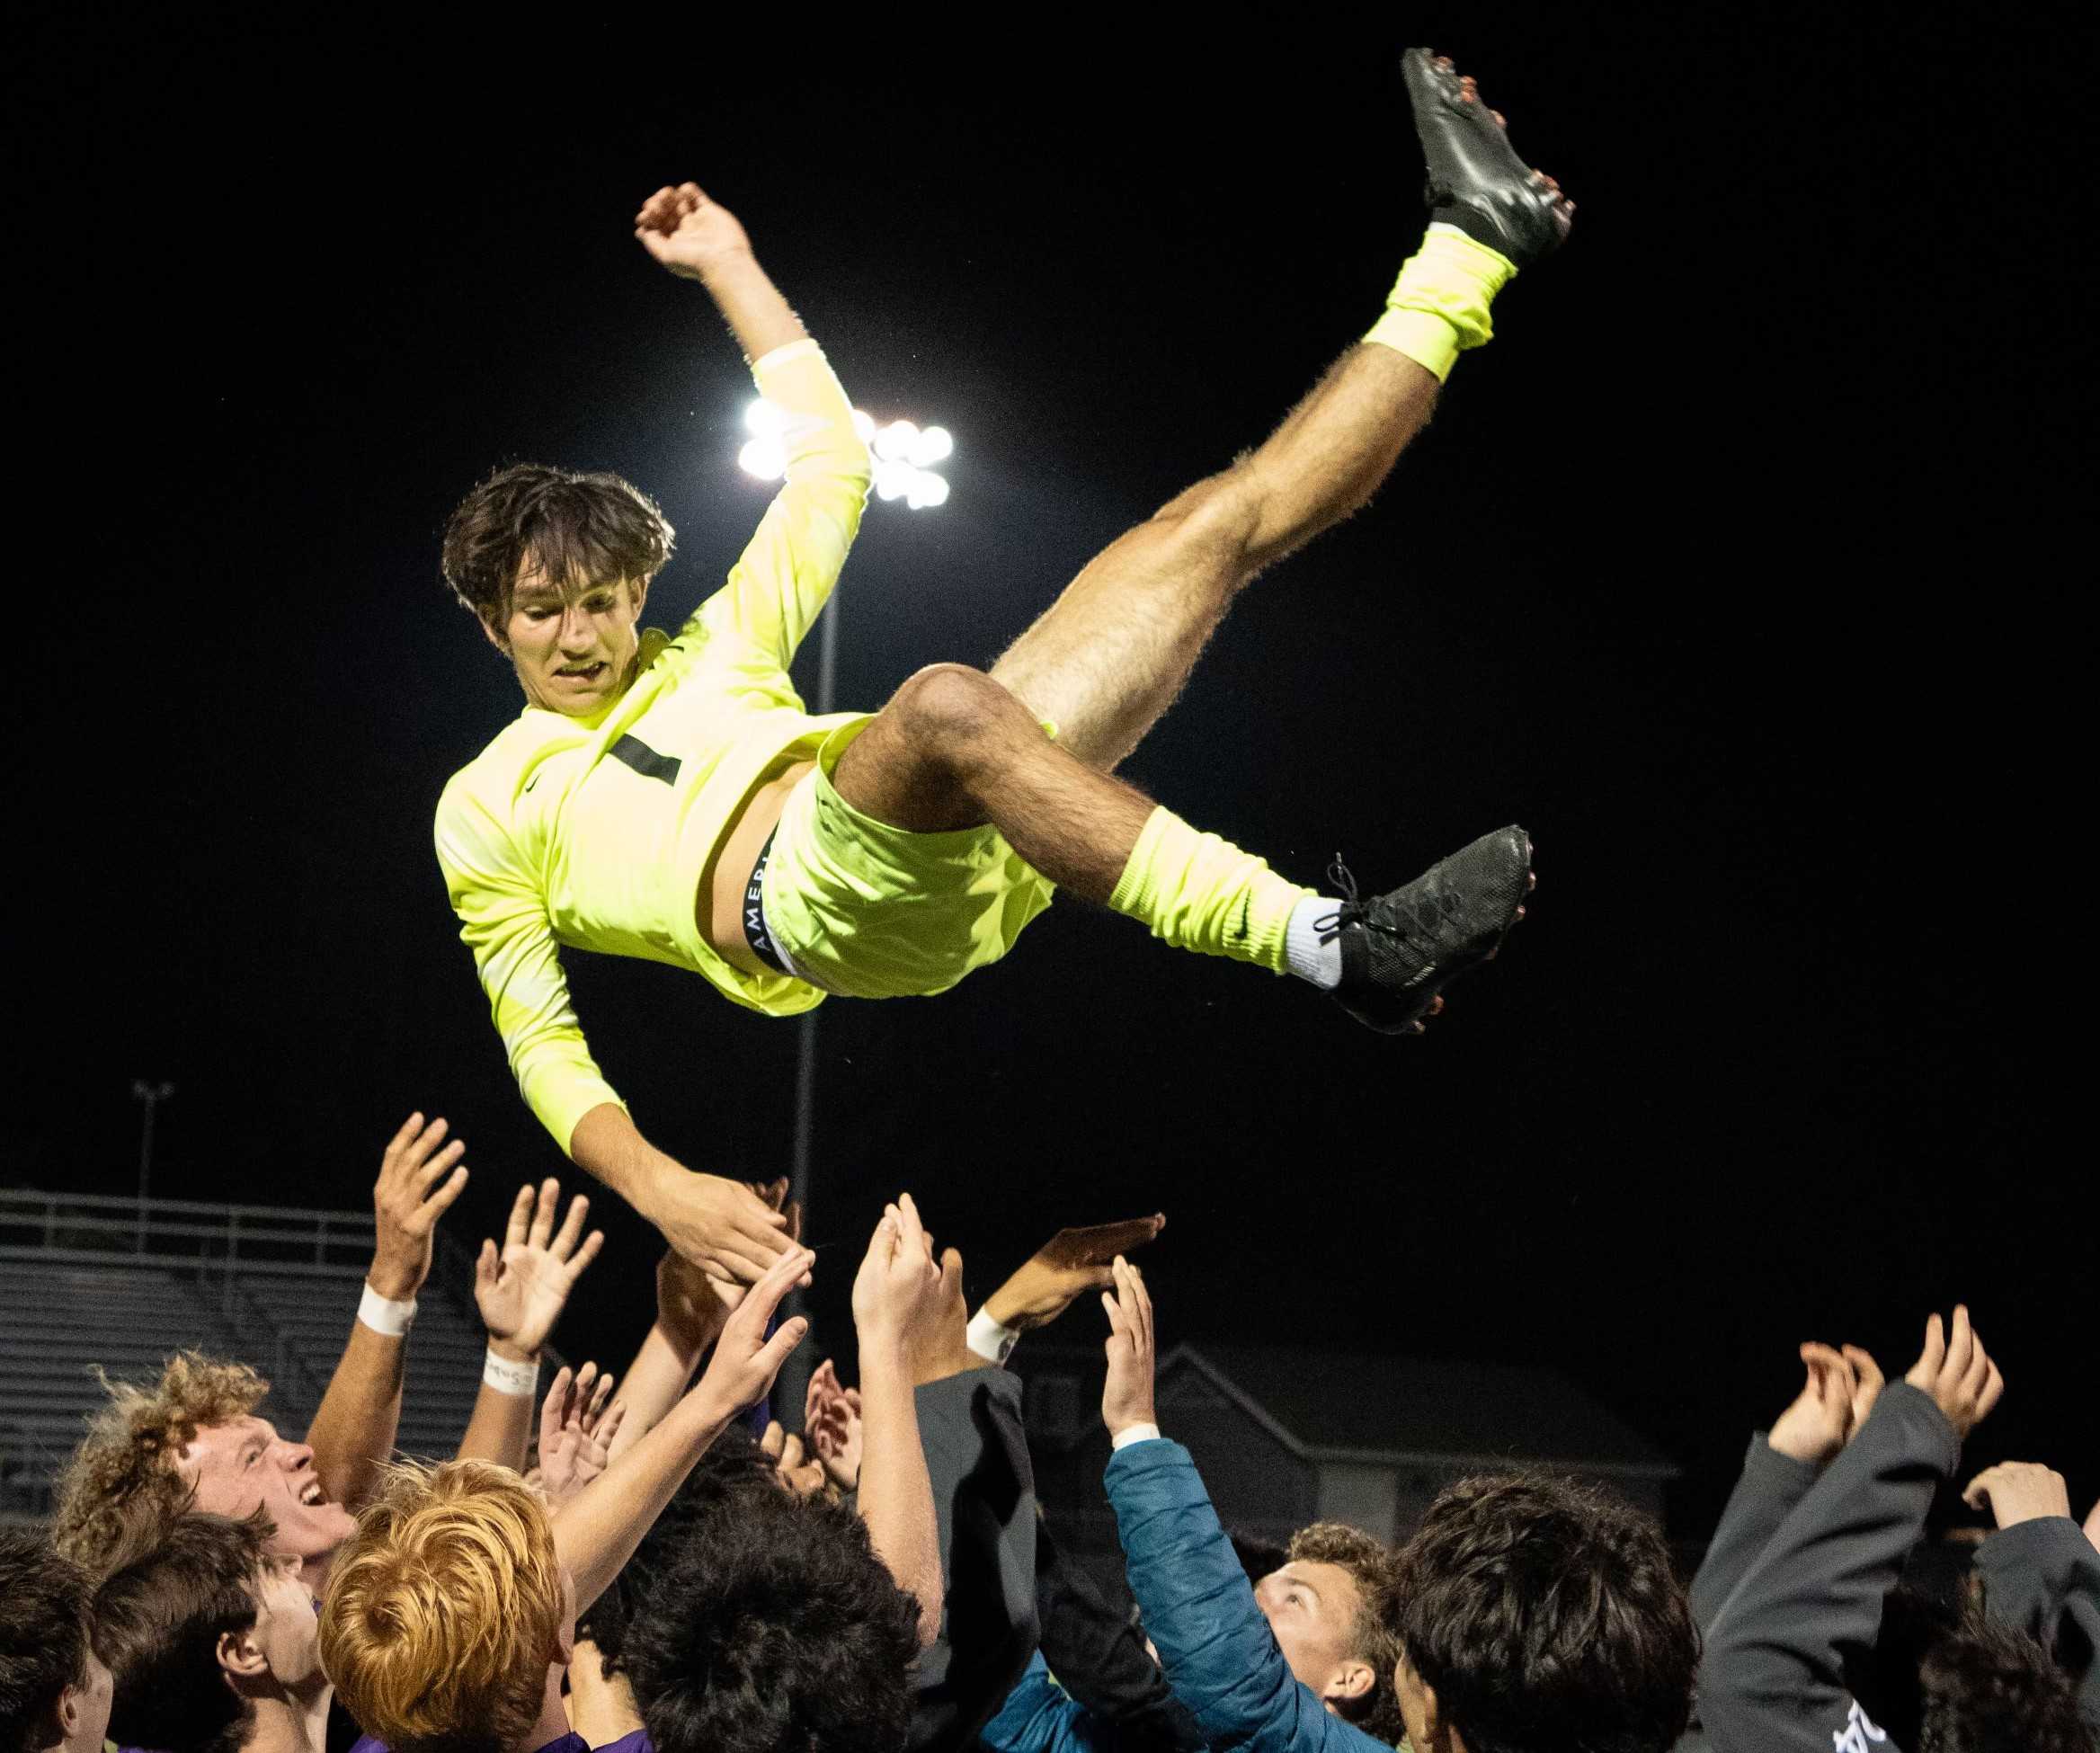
[[954, 747], [1113, 651]]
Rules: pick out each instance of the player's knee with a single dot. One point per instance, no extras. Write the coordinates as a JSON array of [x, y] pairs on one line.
[[950, 707]]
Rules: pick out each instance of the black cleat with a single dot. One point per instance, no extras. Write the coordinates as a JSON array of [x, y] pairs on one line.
[[1477, 182], [1400, 950]]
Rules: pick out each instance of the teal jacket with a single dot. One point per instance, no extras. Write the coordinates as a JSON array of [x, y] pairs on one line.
[[1220, 1656]]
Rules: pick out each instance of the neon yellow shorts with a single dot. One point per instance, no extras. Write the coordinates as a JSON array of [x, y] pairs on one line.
[[868, 911]]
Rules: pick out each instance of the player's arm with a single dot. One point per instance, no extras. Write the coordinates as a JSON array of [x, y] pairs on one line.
[[717, 1223], [781, 584], [521, 1290], [354, 1430], [895, 1293], [597, 1530]]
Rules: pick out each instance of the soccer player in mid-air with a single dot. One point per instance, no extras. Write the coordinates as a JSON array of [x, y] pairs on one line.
[[669, 796]]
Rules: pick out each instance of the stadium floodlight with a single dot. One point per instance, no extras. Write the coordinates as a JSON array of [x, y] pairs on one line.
[[765, 457], [893, 442], [934, 445], [904, 453]]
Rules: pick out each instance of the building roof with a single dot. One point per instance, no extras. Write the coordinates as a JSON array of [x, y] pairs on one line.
[[1336, 1406]]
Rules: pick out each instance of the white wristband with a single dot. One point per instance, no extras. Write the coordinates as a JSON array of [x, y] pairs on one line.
[[1135, 1433], [989, 1339], [508, 1377], [382, 1314]]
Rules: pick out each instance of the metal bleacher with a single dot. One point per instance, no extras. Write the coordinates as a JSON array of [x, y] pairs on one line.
[[88, 1281]]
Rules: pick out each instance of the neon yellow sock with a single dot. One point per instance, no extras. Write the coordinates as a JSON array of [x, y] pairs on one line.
[[1440, 304], [1204, 893]]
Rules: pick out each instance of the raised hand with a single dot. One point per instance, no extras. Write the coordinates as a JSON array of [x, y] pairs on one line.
[[1127, 1396], [522, 1290], [799, 1473], [2019, 1491], [418, 1182], [1953, 1369], [688, 233], [1815, 1427], [576, 1428], [898, 1285], [1867, 1382], [746, 1361], [830, 1417], [722, 1226], [1827, 1414], [1052, 1278]]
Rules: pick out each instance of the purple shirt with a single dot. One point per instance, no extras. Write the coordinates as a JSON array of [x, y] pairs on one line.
[[570, 1743]]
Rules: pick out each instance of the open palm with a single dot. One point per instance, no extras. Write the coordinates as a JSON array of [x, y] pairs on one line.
[[522, 1290]]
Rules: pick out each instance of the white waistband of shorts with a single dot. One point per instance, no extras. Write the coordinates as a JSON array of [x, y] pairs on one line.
[[780, 947]]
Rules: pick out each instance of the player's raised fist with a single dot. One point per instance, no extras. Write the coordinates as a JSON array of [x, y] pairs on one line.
[[688, 233]]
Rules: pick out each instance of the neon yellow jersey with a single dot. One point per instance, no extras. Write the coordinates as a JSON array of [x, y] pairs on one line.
[[592, 832]]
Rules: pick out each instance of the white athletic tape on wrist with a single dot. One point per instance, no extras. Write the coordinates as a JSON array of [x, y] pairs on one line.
[[507, 1378], [384, 1315], [1135, 1433], [990, 1338]]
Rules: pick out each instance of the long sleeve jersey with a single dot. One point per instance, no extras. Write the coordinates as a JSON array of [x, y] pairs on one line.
[[593, 832]]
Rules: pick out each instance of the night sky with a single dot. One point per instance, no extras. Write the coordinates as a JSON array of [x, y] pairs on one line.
[[1740, 569]]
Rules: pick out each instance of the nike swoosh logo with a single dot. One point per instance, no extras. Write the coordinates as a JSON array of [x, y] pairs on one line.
[[531, 782]]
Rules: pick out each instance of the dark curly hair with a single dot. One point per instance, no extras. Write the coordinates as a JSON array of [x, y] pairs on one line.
[[1942, 1679], [44, 1621], [733, 1465], [157, 1622], [773, 1628], [578, 529], [1546, 1616]]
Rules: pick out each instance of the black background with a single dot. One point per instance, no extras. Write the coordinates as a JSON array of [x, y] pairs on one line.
[[1741, 568]]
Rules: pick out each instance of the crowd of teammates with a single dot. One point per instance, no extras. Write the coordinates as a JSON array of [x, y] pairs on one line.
[[658, 1574]]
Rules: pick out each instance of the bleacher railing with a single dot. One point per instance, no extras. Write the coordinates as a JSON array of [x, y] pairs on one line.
[[93, 1225]]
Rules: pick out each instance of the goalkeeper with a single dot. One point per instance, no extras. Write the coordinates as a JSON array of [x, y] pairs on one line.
[[668, 796]]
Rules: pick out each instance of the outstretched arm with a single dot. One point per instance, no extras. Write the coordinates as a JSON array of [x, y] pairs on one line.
[[353, 1430], [596, 1531], [521, 1290], [1841, 1389], [1220, 1656], [896, 1285], [1774, 1671], [719, 1224], [777, 589], [701, 239]]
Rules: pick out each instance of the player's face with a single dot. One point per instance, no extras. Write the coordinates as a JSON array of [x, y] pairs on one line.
[[573, 645], [1312, 1608], [243, 1465]]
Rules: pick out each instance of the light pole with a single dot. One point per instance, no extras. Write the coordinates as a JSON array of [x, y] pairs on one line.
[[152, 1095], [904, 456]]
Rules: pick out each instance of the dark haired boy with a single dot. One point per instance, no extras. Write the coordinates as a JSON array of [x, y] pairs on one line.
[[54, 1690], [671, 797], [211, 1639]]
